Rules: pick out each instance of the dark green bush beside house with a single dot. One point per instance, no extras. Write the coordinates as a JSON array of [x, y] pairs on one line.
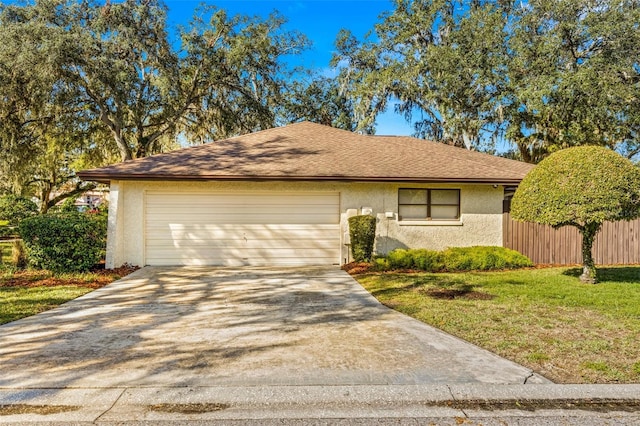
[[64, 242], [362, 231], [478, 258], [13, 209], [7, 231]]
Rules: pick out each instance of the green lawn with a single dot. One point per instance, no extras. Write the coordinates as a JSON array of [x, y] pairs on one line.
[[28, 292], [20, 302], [542, 318]]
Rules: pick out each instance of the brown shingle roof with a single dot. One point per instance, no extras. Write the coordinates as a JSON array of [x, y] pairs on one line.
[[308, 151]]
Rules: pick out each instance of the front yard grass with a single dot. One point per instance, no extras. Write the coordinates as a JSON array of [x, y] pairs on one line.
[[544, 319], [25, 293]]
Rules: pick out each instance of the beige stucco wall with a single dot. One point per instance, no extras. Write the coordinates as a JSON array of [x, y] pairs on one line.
[[480, 222]]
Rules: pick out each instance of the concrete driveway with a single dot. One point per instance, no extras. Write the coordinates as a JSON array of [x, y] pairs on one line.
[[237, 327]]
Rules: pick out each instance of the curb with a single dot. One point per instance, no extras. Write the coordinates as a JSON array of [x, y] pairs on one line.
[[379, 403]]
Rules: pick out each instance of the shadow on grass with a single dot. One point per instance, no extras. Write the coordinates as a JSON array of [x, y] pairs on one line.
[[437, 287], [445, 281], [516, 282], [623, 274]]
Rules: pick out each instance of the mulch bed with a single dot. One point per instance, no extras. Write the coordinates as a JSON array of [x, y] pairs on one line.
[[99, 278], [355, 268]]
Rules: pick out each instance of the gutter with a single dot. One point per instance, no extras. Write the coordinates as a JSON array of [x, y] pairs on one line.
[[106, 178]]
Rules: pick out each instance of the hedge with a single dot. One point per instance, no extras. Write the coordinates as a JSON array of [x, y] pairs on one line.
[[14, 209], [64, 242], [477, 258]]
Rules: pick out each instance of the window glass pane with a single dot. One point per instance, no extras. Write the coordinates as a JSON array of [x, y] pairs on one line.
[[444, 212], [444, 196], [412, 196], [412, 212]]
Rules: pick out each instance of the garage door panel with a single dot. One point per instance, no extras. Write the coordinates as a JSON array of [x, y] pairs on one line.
[[214, 244], [241, 253], [252, 210], [235, 231], [242, 229], [230, 257], [241, 199], [245, 219], [233, 261], [186, 236]]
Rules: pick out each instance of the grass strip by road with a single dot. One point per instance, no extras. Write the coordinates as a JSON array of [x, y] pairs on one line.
[[27, 292], [544, 319]]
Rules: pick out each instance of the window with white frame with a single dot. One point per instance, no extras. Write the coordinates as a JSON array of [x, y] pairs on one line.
[[428, 204]]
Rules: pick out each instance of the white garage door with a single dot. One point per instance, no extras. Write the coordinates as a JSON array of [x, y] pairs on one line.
[[242, 229]]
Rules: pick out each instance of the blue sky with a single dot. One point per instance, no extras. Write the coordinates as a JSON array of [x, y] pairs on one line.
[[319, 20]]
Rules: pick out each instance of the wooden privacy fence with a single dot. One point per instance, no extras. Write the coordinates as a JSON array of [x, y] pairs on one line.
[[616, 243]]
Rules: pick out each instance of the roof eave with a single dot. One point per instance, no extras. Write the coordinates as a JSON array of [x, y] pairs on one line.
[[106, 178]]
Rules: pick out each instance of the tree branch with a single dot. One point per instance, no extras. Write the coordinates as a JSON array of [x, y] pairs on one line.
[[79, 189]]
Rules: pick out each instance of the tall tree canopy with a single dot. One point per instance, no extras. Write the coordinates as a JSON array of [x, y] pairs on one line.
[[42, 136], [319, 100], [542, 74], [441, 62], [236, 70], [116, 63], [84, 82], [574, 76]]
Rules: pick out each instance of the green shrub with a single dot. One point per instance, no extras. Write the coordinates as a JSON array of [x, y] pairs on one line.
[[483, 258], [8, 231], [19, 257], [400, 259], [362, 230], [459, 259], [100, 216], [381, 264], [68, 206], [70, 242], [427, 260], [14, 209], [479, 258], [423, 259]]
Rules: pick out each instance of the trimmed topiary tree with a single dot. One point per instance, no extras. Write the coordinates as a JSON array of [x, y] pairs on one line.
[[582, 187], [362, 230]]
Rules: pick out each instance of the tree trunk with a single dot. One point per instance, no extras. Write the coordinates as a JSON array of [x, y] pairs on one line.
[[589, 272], [144, 144], [45, 194], [524, 152], [125, 152], [467, 140], [116, 131]]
